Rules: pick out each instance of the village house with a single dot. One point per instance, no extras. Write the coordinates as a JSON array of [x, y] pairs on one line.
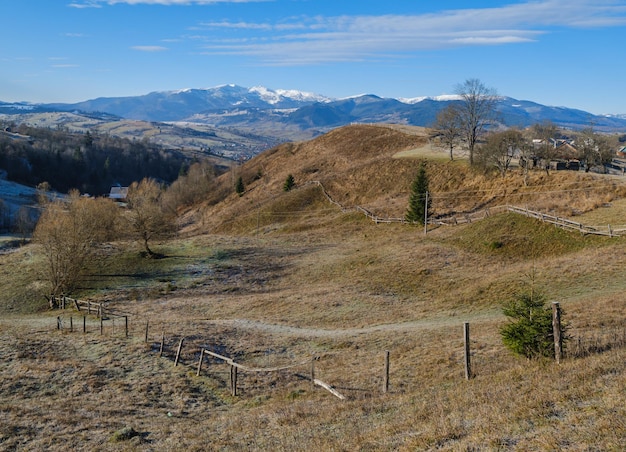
[[118, 193]]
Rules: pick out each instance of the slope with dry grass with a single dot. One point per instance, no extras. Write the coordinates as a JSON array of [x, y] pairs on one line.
[[374, 166], [291, 276]]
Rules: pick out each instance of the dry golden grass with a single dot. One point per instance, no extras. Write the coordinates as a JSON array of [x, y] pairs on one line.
[[290, 276]]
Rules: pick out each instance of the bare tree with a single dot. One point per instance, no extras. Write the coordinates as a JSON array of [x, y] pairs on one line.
[[527, 156], [500, 148], [546, 132], [448, 128], [476, 111], [594, 149], [69, 233], [24, 222], [192, 187], [146, 216]]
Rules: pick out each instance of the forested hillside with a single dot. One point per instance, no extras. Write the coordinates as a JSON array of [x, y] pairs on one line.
[[89, 163]]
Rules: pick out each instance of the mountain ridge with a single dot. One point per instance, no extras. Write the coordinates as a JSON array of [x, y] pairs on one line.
[[273, 116]]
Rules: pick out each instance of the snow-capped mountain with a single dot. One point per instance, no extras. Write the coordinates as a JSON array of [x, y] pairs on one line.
[[267, 109], [182, 104]]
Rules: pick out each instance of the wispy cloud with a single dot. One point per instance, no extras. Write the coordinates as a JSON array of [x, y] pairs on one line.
[[99, 3], [353, 38], [149, 48]]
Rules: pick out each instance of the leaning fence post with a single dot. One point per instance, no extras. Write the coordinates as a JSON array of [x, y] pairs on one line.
[[556, 330], [180, 347], [162, 344], [386, 374], [200, 362], [147, 324], [466, 338]]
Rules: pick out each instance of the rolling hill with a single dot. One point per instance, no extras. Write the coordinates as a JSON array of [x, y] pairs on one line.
[[373, 166]]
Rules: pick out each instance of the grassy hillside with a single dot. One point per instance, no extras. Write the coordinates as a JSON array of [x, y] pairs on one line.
[[374, 166], [274, 278]]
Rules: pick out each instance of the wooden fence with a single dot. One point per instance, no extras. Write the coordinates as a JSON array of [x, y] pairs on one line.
[[564, 223], [88, 308], [469, 217], [577, 347]]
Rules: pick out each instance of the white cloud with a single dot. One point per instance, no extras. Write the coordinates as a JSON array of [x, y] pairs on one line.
[[149, 48], [237, 25], [354, 38]]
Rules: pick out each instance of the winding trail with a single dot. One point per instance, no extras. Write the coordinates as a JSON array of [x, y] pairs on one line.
[[400, 327]]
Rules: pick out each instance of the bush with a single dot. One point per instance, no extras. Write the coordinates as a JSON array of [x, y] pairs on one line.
[[530, 331]]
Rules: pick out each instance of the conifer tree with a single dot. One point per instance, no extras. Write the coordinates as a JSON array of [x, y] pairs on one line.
[[418, 199], [530, 332], [290, 183], [239, 187]]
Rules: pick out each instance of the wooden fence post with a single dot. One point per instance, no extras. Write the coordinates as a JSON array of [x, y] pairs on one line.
[[126, 325], [180, 347], [386, 374], [233, 380], [101, 325], [71, 324], [200, 362], [58, 322], [466, 338], [556, 330], [162, 344], [147, 325], [84, 324]]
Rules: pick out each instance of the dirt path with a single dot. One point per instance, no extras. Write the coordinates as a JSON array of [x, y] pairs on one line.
[[400, 327]]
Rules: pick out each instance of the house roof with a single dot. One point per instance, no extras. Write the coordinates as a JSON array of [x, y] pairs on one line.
[[118, 192], [566, 151]]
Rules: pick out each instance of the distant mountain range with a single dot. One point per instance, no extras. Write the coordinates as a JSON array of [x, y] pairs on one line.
[[285, 114]]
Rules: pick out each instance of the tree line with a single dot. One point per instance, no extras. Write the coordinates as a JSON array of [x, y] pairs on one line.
[[471, 123], [87, 162]]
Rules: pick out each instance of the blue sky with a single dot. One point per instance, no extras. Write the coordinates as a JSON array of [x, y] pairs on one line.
[[556, 52]]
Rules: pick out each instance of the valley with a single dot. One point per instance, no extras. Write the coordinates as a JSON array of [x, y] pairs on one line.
[[274, 278]]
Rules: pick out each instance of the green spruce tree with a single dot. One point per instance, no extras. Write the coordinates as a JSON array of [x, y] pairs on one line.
[[418, 199], [530, 332], [239, 187], [290, 183]]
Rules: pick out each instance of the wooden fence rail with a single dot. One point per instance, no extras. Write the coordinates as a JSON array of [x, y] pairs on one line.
[[237, 366], [469, 217]]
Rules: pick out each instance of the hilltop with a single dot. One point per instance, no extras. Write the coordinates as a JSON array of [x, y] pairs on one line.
[[373, 166]]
